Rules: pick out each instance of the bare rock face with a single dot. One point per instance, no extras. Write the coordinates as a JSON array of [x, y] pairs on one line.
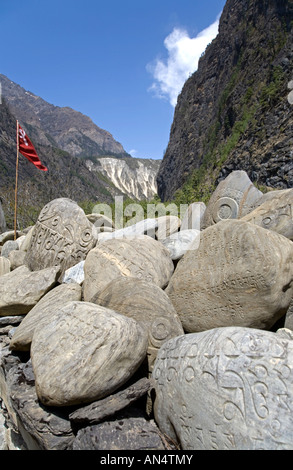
[[148, 305], [234, 195], [274, 212], [21, 289], [85, 353], [62, 236], [241, 275], [41, 313], [5, 265], [143, 258], [226, 389]]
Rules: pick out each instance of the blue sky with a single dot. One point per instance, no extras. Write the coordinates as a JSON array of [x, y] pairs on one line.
[[122, 63]]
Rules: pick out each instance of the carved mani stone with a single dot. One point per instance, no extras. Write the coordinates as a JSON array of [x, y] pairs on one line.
[[143, 258], [241, 275], [232, 198], [41, 313], [226, 389], [62, 236], [274, 213], [148, 305], [85, 353]]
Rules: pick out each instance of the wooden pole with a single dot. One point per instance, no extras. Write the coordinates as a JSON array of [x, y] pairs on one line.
[[16, 181]]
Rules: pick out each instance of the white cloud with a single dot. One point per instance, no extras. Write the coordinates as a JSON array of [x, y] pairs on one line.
[[183, 56], [133, 153]]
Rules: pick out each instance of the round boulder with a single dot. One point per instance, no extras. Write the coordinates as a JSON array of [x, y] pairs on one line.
[[141, 257], [241, 275], [85, 353]]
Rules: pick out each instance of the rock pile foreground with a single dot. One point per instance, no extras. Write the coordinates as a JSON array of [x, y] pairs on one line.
[[175, 339]]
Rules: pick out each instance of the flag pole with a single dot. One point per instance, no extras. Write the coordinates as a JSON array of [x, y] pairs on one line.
[[16, 180]]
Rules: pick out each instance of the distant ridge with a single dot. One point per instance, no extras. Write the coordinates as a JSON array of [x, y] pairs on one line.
[[64, 128]]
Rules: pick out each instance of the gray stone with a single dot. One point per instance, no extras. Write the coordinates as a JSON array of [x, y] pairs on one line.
[[16, 258], [146, 303], [167, 225], [274, 212], [5, 265], [144, 227], [193, 217], [85, 353], [21, 289], [232, 198], [289, 317], [226, 389], [103, 409], [143, 258], [241, 275], [74, 274], [5, 236], [130, 433], [100, 220], [41, 428], [8, 246], [62, 236], [42, 313], [4, 321], [179, 243]]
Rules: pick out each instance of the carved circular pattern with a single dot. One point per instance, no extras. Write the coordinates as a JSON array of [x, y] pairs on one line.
[[225, 208]]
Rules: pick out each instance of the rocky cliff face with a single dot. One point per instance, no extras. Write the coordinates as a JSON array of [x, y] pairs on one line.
[[65, 128], [233, 113], [134, 177]]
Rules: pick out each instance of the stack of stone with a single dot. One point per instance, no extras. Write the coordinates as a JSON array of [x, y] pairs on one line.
[[159, 336]]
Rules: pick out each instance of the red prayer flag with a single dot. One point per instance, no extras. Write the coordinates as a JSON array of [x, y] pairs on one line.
[[27, 149]]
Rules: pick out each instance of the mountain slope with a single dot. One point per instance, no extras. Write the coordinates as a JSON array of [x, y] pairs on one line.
[[233, 113], [135, 177], [64, 128], [68, 176]]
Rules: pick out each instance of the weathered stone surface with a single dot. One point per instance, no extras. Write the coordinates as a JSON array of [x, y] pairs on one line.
[[16, 258], [5, 236], [233, 196], [179, 243], [41, 428], [100, 220], [144, 227], [102, 409], [241, 275], [21, 289], [167, 225], [4, 265], [192, 218], [41, 314], [8, 246], [274, 213], [143, 258], [4, 321], [289, 317], [62, 236], [132, 433], [147, 304], [226, 389], [74, 274], [85, 353]]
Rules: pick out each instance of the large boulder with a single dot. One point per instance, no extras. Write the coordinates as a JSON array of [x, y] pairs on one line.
[[41, 314], [146, 303], [21, 289], [226, 389], [85, 353], [241, 275], [232, 198], [274, 212], [143, 258], [62, 236]]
